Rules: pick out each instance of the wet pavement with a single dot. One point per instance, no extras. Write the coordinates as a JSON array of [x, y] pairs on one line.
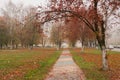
[[65, 69]]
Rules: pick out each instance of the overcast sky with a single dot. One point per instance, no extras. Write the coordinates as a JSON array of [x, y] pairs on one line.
[[25, 2]]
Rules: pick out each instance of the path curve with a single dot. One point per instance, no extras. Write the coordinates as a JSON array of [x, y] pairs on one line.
[[65, 69]]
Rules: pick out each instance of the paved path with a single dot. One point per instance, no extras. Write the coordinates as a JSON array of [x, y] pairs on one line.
[[65, 69]]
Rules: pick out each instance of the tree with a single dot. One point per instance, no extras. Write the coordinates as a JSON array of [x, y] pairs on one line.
[[4, 36], [43, 39], [21, 24], [12, 17], [97, 23], [31, 34], [77, 30], [56, 35], [90, 39], [72, 30]]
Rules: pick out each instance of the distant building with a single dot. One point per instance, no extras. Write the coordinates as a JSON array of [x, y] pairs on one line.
[[78, 44], [65, 45]]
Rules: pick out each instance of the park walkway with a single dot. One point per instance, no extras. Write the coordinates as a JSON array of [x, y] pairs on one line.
[[65, 69]]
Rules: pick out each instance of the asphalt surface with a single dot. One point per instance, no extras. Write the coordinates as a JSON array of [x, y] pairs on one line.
[[65, 69]]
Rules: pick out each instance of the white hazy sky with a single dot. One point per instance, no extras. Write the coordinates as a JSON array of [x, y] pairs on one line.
[[25, 2]]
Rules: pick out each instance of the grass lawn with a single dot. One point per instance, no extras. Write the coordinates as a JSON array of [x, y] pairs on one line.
[[26, 64], [90, 62]]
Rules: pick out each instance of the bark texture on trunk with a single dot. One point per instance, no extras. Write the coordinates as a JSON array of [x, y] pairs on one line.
[[104, 53], [11, 45], [58, 48], [104, 59], [82, 50]]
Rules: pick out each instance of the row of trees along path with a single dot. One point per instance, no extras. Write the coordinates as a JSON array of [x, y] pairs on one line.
[[95, 16], [65, 69]]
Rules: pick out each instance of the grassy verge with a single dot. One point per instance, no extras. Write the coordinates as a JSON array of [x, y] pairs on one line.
[[26, 64], [90, 69], [91, 61], [42, 70]]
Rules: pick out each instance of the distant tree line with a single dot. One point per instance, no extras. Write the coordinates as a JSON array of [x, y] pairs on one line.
[[18, 27]]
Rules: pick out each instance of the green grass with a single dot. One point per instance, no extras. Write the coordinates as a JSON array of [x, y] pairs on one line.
[[113, 52], [25, 61], [89, 68], [39, 73], [10, 59]]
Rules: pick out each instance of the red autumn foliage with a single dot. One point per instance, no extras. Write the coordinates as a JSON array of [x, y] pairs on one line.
[[95, 16]]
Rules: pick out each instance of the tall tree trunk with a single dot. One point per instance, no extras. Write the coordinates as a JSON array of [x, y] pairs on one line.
[[43, 45], [31, 46], [0, 46], [82, 50], [58, 48], [104, 59], [101, 42], [88, 43], [82, 47], [16, 46], [73, 44], [11, 44], [100, 35]]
